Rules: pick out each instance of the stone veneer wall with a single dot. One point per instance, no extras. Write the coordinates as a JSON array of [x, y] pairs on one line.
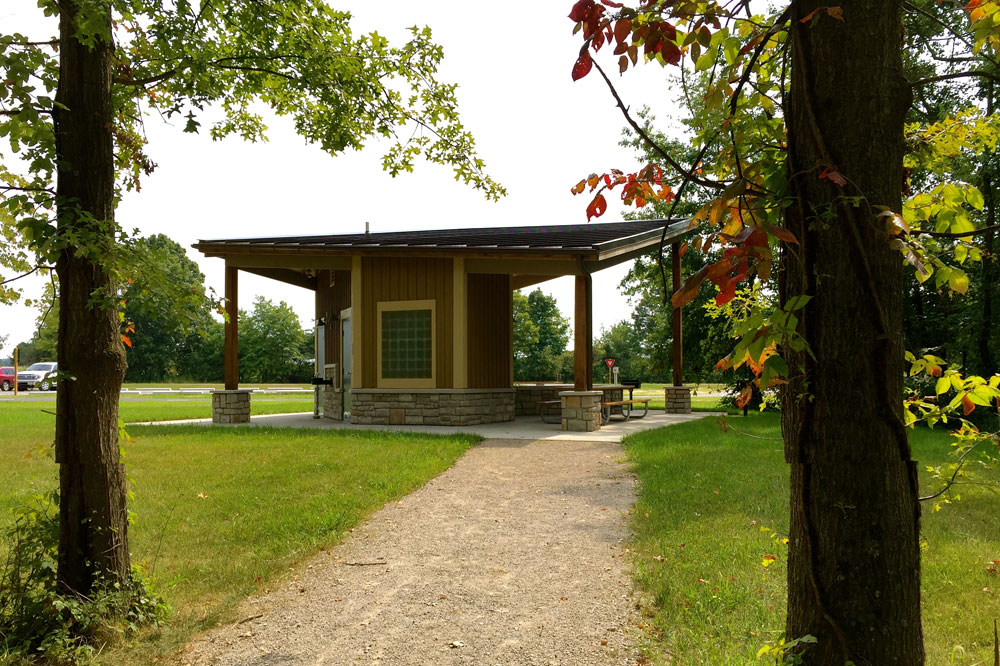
[[581, 410], [677, 399], [431, 406], [231, 406], [526, 395], [333, 398]]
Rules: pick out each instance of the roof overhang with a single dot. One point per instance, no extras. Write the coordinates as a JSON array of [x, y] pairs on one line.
[[295, 259]]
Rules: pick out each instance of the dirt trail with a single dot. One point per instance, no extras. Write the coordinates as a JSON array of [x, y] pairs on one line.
[[512, 557]]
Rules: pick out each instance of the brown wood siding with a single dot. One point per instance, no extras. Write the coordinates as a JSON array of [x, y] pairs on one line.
[[330, 300], [490, 323], [407, 279]]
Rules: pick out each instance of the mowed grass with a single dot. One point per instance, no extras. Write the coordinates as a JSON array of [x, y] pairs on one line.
[[712, 506], [699, 403], [221, 513]]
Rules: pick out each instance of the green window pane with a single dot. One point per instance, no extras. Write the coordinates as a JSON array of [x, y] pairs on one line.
[[406, 344]]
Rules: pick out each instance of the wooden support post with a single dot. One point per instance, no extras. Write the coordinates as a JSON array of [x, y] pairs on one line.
[[583, 353], [676, 321], [460, 349], [231, 348]]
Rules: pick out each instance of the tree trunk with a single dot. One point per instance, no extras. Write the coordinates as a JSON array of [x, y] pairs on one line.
[[854, 557], [93, 524]]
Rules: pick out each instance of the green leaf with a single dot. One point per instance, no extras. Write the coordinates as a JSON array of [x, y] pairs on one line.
[[942, 385], [706, 61], [958, 281], [974, 197]]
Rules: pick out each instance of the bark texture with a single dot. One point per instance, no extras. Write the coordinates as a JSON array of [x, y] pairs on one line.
[[93, 524], [854, 557]]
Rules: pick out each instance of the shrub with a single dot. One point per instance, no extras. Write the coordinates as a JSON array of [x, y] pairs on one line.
[[37, 620]]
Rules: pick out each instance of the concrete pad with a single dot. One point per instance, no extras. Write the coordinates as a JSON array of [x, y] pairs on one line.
[[524, 427]]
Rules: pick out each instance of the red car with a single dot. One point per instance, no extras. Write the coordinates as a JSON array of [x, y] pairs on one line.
[[6, 378]]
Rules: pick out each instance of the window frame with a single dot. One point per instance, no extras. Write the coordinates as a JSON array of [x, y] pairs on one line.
[[397, 306]]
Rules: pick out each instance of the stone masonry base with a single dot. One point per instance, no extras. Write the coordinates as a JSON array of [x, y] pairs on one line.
[[231, 406], [431, 406], [677, 399], [581, 410], [333, 398]]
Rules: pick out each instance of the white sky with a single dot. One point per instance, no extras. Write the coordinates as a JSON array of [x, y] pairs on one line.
[[538, 131]]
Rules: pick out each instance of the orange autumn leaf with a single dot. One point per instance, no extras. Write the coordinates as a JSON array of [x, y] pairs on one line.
[[967, 405]]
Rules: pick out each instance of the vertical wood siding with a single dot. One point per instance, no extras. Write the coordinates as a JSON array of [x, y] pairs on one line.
[[330, 300], [407, 279], [490, 323]]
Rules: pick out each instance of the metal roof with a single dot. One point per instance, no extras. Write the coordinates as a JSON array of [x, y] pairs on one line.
[[589, 239]]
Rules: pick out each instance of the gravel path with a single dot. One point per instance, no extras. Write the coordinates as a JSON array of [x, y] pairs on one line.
[[514, 556]]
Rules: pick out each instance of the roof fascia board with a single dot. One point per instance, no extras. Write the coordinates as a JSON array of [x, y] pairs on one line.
[[636, 251], [643, 241]]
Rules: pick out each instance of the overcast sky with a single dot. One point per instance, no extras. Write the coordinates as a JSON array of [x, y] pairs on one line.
[[538, 131]]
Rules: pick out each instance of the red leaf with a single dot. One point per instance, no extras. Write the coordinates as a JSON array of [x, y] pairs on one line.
[[670, 52], [580, 10], [805, 19], [582, 66], [127, 341], [934, 370], [745, 396], [684, 249], [727, 293], [784, 234], [597, 207], [833, 175], [691, 287], [623, 29]]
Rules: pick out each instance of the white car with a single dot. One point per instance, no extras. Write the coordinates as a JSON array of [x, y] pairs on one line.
[[42, 375]]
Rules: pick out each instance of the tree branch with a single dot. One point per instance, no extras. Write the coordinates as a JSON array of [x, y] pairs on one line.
[[24, 275], [712, 184], [964, 234], [14, 112], [951, 481], [748, 70], [956, 75]]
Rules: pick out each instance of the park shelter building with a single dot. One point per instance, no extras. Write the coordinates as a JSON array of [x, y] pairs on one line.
[[416, 327]]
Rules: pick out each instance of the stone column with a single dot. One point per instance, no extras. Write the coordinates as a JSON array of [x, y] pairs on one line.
[[231, 406], [677, 399], [581, 410]]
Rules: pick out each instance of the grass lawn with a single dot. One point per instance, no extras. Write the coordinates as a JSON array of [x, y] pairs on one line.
[[179, 385], [222, 513], [709, 504], [699, 403], [652, 388]]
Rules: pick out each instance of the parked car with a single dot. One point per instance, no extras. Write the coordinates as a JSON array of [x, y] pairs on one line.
[[41, 375], [6, 378]]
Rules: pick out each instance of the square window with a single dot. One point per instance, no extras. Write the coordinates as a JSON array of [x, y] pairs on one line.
[[407, 344]]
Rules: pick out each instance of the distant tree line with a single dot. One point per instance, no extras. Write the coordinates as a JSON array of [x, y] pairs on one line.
[[173, 330]]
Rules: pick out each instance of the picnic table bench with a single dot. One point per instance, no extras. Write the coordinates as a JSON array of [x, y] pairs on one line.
[[624, 409], [543, 404]]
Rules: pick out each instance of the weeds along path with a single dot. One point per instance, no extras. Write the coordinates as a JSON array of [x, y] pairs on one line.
[[513, 556]]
